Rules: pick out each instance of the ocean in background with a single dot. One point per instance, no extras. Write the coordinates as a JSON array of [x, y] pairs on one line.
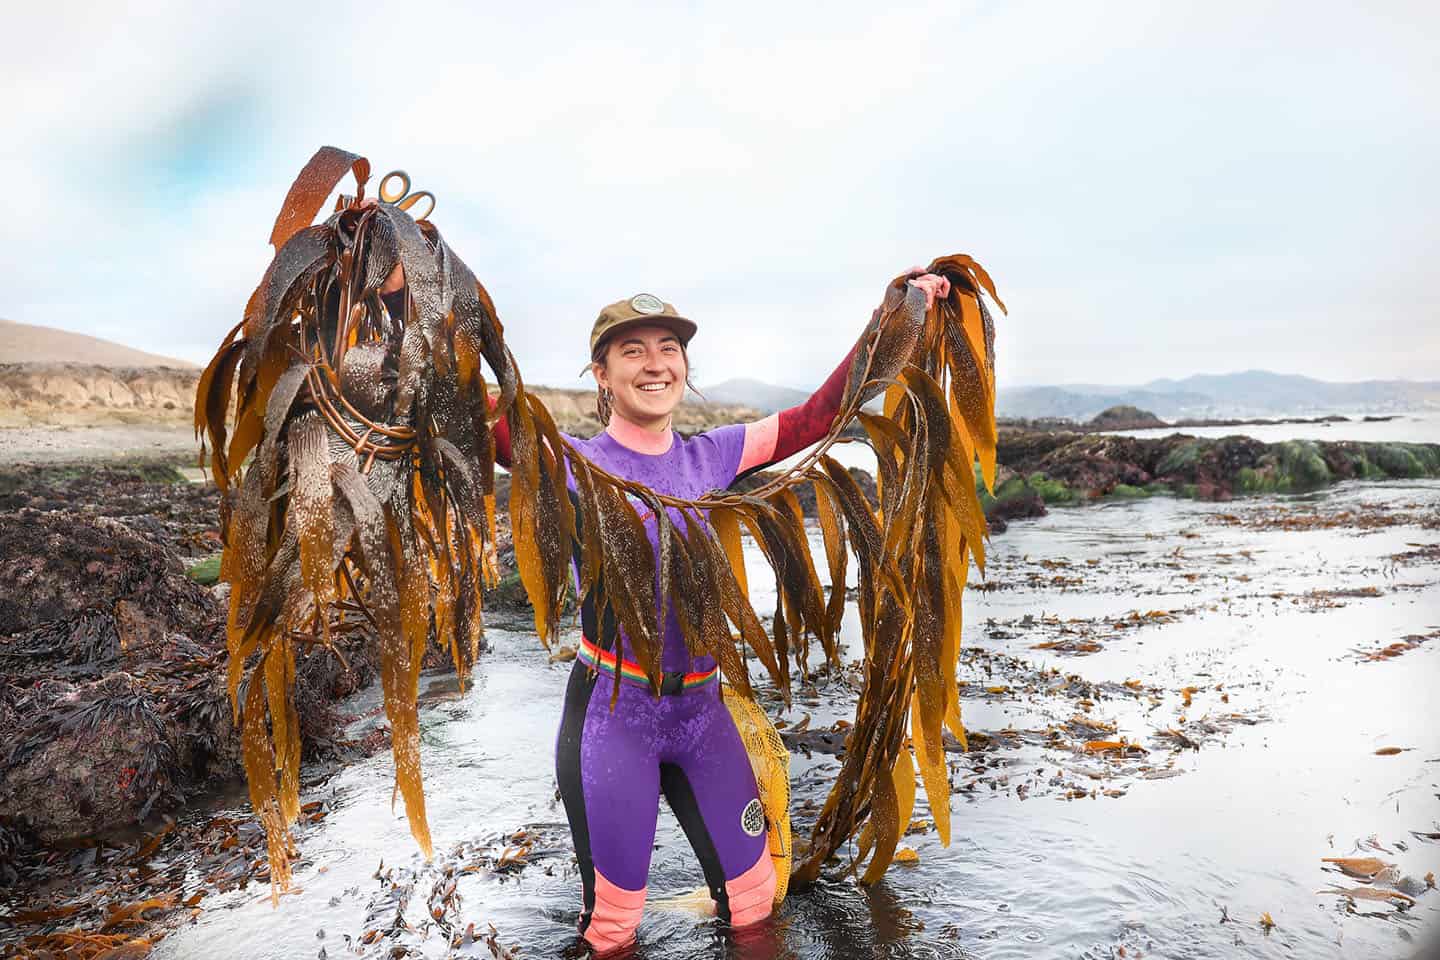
[[1418, 427]]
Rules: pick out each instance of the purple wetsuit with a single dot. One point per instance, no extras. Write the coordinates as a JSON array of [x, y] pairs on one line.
[[612, 765]]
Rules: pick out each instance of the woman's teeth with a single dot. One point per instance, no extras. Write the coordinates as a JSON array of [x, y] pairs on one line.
[[654, 387]]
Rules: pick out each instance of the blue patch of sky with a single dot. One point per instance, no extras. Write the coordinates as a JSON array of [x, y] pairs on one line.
[[215, 137]]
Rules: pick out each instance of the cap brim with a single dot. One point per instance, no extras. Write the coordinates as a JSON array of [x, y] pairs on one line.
[[682, 328]]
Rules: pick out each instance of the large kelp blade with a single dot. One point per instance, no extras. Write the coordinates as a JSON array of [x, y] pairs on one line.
[[727, 528], [315, 182]]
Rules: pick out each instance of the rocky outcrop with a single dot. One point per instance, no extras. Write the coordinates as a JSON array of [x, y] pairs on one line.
[[112, 693], [1125, 417], [1065, 467]]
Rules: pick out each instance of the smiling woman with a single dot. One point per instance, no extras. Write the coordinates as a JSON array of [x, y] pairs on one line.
[[615, 756]]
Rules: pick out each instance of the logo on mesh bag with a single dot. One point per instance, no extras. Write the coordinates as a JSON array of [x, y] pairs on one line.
[[752, 820]]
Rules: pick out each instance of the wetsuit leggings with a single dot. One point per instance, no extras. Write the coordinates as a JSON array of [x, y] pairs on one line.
[[613, 766]]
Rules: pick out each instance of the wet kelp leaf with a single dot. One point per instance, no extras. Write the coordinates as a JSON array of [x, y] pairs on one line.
[[313, 184], [359, 468], [1365, 868]]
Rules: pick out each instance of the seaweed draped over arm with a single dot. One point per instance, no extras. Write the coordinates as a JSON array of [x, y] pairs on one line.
[[358, 479]]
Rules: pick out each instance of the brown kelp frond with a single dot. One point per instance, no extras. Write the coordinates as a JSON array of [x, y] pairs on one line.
[[358, 470]]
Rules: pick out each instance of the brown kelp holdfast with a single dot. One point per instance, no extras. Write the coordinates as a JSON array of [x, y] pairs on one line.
[[367, 503]]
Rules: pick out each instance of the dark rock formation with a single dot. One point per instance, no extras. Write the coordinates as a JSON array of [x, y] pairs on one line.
[[1125, 417], [112, 694], [1063, 467]]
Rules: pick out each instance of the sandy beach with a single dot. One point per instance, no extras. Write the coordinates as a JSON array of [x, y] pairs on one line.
[[97, 444]]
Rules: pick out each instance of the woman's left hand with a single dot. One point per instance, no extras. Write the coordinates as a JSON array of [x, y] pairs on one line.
[[933, 284]]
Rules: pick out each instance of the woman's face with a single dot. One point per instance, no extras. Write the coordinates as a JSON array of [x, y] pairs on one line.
[[644, 371]]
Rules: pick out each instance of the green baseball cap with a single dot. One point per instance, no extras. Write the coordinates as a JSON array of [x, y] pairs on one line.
[[641, 309]]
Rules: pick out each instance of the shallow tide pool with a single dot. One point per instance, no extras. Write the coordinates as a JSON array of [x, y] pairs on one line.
[[1174, 852]]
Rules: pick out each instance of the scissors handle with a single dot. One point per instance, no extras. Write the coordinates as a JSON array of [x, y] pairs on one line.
[[390, 195], [411, 199], [402, 197]]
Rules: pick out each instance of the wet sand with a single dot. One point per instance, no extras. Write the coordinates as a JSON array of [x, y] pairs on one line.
[[98, 444]]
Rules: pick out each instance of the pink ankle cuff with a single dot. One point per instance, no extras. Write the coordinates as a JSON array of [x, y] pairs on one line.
[[616, 915], [752, 894]]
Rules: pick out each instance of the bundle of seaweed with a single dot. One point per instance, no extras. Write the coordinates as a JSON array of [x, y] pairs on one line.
[[368, 498]]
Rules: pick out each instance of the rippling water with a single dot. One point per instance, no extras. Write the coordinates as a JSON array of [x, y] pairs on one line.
[[1237, 832]]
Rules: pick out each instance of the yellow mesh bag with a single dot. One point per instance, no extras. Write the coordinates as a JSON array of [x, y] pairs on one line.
[[771, 763]]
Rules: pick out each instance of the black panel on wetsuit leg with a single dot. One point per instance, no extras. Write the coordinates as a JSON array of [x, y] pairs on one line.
[[567, 750], [567, 775], [676, 787]]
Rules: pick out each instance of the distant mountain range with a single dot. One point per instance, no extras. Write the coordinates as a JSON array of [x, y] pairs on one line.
[[1253, 393], [761, 396]]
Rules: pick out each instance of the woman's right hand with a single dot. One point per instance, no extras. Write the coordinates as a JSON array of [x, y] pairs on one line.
[[934, 285]]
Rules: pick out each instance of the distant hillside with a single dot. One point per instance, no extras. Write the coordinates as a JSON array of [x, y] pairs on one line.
[[29, 343], [89, 394], [765, 397], [73, 394], [1254, 393]]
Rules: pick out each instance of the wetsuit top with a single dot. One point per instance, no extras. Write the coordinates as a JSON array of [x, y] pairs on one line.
[[689, 468], [680, 467]]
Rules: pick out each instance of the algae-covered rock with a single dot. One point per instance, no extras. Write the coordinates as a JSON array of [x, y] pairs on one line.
[[55, 565], [1301, 465], [1071, 467], [1125, 417], [97, 757], [112, 683]]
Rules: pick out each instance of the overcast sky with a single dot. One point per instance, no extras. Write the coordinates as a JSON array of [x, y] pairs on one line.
[[1159, 189]]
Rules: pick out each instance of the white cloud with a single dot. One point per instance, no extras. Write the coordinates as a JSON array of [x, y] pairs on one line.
[[1158, 189]]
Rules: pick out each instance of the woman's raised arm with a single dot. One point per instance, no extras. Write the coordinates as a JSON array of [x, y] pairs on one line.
[[786, 433]]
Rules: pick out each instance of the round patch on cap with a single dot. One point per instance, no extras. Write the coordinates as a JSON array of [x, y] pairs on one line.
[[752, 820], [646, 303]]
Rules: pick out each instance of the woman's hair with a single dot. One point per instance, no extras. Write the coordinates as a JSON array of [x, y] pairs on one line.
[[603, 397]]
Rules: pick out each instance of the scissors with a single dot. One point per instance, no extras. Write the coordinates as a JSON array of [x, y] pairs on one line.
[[402, 197]]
